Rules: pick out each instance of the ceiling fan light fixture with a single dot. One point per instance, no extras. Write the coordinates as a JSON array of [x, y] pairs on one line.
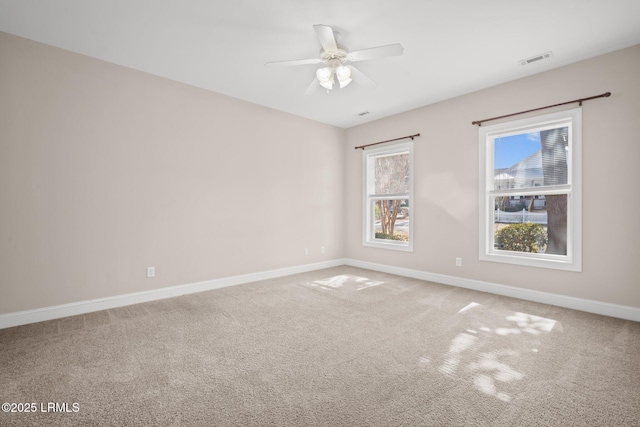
[[343, 74], [327, 85], [325, 77], [344, 82], [324, 74]]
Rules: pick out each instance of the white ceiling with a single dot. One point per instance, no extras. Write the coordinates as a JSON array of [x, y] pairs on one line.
[[452, 47]]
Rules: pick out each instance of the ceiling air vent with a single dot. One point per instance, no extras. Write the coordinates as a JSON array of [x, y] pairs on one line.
[[536, 58]]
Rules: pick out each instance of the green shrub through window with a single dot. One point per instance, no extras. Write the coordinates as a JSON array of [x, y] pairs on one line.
[[523, 237]]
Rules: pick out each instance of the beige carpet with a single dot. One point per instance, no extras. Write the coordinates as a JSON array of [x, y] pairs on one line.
[[335, 347]]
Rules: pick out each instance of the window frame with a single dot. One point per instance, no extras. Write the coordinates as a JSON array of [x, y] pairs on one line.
[[368, 232], [572, 261]]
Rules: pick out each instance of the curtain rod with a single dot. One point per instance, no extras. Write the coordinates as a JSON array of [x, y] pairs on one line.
[[388, 140], [604, 95]]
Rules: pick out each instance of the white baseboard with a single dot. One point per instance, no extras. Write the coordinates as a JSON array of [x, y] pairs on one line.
[[55, 312], [591, 306]]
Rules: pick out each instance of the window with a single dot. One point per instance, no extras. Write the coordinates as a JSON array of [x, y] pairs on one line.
[[388, 194], [530, 191]]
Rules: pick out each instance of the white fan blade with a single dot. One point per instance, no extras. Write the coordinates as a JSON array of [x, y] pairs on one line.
[[293, 62], [313, 87], [326, 37], [376, 52], [360, 78]]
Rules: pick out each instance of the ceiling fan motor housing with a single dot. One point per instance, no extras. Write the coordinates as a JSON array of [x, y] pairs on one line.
[[339, 55]]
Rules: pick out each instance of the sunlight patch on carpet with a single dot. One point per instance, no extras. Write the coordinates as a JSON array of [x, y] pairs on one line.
[[468, 307], [532, 324], [459, 345], [346, 281], [490, 371]]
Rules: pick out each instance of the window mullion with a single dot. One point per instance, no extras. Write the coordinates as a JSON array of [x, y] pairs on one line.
[[532, 191], [389, 196]]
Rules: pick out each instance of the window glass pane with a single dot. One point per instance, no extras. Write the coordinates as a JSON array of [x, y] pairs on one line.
[[531, 224], [392, 174], [531, 159], [391, 219]]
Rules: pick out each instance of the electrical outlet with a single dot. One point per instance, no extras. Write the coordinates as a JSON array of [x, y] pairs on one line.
[[151, 272], [322, 250], [306, 251], [458, 262]]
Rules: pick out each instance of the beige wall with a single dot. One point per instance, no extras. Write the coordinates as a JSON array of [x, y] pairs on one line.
[[105, 171], [446, 180]]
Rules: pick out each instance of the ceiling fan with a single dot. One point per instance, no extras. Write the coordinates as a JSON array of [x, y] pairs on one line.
[[335, 58]]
